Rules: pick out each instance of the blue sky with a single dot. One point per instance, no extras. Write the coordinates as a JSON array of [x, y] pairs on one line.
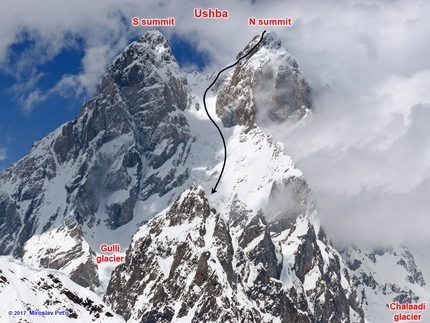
[[365, 148], [19, 128]]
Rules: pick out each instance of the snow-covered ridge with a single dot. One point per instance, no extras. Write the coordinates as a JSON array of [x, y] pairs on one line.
[[29, 294], [395, 274], [143, 151], [211, 269]]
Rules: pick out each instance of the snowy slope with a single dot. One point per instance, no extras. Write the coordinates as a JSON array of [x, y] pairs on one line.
[[388, 275], [188, 264], [142, 149], [92, 176], [100, 173], [29, 294]]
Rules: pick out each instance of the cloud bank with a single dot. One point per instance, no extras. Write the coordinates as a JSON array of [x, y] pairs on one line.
[[365, 147]]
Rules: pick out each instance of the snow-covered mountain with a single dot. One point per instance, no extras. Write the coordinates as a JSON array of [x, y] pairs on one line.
[[190, 263], [387, 275], [90, 177], [134, 171], [45, 295]]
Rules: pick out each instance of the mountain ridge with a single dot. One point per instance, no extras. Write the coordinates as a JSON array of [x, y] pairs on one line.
[[142, 146]]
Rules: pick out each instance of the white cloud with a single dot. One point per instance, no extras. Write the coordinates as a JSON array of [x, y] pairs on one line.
[[50, 27], [94, 65], [3, 153], [25, 91], [28, 101], [364, 148]]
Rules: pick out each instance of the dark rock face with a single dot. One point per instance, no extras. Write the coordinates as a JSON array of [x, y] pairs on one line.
[[198, 267], [139, 108], [415, 275], [118, 143], [328, 287], [266, 86], [187, 262], [10, 223], [265, 251], [129, 145]]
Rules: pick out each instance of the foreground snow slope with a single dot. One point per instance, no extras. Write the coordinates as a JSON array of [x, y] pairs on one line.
[[35, 295]]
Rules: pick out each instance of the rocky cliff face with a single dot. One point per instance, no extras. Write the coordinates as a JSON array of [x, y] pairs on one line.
[[91, 173], [252, 252], [191, 263], [266, 86]]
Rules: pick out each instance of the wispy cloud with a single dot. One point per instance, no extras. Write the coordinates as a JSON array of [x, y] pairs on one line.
[[45, 30], [93, 65], [25, 91], [3, 153], [364, 147]]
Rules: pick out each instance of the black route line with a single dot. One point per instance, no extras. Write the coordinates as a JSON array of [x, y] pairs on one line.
[[204, 102]]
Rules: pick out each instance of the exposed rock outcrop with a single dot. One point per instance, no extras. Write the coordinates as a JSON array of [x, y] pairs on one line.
[[263, 88]]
